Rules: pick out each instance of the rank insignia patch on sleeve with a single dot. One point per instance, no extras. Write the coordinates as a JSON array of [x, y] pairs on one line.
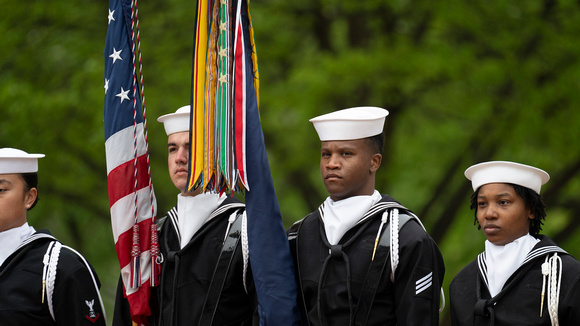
[[423, 283], [92, 316]]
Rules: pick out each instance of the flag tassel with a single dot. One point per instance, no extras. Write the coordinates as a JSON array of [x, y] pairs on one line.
[[155, 256], [135, 259]]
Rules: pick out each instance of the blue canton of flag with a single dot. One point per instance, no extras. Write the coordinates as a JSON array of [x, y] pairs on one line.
[[118, 70]]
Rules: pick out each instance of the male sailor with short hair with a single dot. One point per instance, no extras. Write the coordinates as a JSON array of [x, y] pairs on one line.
[[203, 281], [362, 258]]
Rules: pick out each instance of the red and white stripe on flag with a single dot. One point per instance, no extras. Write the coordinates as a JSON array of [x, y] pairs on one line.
[[120, 175]]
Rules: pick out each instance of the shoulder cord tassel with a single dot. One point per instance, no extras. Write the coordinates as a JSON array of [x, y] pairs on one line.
[[135, 259], [383, 221], [553, 274], [231, 220], [155, 256]]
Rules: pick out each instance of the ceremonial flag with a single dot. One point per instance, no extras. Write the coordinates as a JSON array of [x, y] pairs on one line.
[[131, 197], [230, 115], [270, 258]]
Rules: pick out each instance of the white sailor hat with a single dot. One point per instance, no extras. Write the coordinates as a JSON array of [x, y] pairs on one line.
[[13, 160], [348, 124], [506, 172], [176, 122]]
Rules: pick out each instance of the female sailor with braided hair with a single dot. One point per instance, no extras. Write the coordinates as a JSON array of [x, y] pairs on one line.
[[42, 282], [522, 277]]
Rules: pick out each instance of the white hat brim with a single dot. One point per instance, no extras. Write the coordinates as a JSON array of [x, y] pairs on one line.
[[349, 124], [18, 161], [506, 172], [176, 122]]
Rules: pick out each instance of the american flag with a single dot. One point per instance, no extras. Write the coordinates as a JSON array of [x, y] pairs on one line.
[[131, 197]]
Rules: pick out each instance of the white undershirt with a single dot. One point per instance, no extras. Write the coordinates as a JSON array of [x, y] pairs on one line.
[[502, 261], [11, 239], [194, 211], [340, 216]]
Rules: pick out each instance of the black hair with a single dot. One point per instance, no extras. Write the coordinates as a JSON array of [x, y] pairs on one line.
[[376, 143], [533, 202], [30, 181]]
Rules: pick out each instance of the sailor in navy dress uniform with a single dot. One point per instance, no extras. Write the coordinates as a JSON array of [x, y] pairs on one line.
[[522, 277], [198, 286], [362, 258], [42, 281]]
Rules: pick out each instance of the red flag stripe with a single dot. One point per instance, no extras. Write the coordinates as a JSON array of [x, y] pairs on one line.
[[139, 301], [119, 188], [119, 147]]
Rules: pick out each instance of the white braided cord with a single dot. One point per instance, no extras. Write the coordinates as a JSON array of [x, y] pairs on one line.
[[136, 28], [554, 283], [394, 242], [245, 248], [135, 155], [51, 275]]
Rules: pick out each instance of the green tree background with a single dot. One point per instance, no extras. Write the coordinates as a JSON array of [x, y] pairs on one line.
[[464, 81]]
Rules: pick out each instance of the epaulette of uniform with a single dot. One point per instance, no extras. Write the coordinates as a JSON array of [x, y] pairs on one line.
[[159, 223], [225, 207], [293, 230]]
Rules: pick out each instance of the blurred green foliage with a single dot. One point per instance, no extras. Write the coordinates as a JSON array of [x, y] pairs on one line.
[[464, 81]]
